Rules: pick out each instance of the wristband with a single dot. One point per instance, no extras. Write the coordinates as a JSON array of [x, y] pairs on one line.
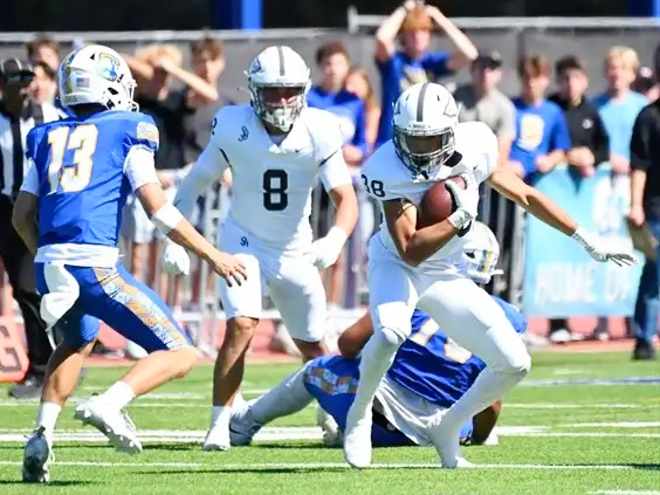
[[166, 218]]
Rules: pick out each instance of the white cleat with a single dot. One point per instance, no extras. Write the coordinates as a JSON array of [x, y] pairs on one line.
[[217, 439], [446, 443], [113, 423], [357, 439], [242, 427], [38, 454]]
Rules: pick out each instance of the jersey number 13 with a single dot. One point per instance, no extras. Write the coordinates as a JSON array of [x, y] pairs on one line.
[[83, 140]]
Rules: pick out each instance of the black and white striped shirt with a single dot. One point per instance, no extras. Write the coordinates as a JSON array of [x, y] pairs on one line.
[[13, 133]]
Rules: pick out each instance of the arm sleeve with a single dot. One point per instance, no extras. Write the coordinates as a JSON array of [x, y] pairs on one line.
[[209, 168], [140, 167], [640, 144], [31, 180], [489, 154], [601, 144], [334, 172]]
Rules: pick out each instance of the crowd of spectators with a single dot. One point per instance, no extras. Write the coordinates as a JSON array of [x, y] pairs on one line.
[[536, 132]]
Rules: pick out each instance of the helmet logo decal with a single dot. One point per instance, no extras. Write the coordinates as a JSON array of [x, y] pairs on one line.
[[108, 67], [256, 66]]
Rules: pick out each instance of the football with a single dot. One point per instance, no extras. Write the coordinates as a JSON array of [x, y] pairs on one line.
[[437, 203]]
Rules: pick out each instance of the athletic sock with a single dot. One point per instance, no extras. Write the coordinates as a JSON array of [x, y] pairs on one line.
[[377, 356], [120, 394], [288, 397], [220, 416], [47, 417]]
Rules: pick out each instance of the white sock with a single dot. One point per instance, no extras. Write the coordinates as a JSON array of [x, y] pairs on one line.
[[220, 416], [120, 394], [47, 417], [289, 397], [377, 357]]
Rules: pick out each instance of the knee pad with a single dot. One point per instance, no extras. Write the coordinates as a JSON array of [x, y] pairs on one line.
[[519, 363], [391, 337]]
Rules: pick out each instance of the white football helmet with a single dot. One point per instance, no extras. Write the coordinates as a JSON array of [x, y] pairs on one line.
[[481, 253], [96, 74], [278, 67], [425, 119]]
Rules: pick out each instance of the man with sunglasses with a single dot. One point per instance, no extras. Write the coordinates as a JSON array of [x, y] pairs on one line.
[[18, 115]]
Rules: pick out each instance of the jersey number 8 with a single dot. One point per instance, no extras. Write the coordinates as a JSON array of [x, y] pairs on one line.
[[83, 140], [275, 184]]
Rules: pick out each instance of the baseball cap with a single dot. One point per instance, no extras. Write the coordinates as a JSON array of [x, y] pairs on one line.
[[13, 69], [492, 60]]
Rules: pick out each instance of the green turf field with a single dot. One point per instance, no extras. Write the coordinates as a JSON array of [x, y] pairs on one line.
[[580, 423]]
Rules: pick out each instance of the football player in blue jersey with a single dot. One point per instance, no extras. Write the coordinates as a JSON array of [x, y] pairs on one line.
[[68, 213], [429, 374]]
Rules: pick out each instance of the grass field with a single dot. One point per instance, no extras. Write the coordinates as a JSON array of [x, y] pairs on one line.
[[580, 423]]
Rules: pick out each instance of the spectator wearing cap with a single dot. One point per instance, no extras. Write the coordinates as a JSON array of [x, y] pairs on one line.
[[18, 115], [44, 49], [645, 210], [590, 142], [646, 84], [619, 105], [412, 23], [542, 137], [481, 100]]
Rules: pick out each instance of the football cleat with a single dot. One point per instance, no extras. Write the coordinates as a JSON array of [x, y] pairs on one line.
[[113, 423], [357, 439], [446, 443], [38, 454], [217, 439]]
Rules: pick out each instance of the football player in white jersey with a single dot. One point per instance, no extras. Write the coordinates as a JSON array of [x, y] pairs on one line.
[[410, 267], [276, 149]]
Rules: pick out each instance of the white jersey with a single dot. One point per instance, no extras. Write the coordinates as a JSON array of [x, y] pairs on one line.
[[385, 177], [271, 182]]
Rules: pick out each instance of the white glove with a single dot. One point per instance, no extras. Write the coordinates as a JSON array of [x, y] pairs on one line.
[[175, 259], [466, 200], [598, 251], [326, 250]]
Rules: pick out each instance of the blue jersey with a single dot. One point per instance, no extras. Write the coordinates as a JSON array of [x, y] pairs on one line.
[[539, 130], [440, 372], [80, 168], [399, 73], [348, 108]]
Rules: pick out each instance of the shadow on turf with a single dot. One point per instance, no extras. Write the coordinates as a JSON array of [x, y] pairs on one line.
[[233, 470], [50, 483]]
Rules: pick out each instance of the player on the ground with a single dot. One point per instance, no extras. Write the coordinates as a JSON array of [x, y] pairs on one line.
[[411, 268], [277, 149], [429, 374], [68, 213]]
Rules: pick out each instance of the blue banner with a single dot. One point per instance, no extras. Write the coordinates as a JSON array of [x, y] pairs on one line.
[[561, 279]]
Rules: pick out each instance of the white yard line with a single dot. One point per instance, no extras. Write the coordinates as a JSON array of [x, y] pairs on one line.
[[625, 492], [619, 424], [331, 465]]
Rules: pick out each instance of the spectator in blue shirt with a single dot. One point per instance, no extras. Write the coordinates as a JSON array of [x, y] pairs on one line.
[[412, 23], [334, 63], [542, 136], [619, 105]]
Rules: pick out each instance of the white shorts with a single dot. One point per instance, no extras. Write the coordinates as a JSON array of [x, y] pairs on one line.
[[462, 310], [293, 283]]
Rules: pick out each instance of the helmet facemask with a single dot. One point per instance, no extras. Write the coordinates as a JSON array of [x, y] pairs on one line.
[[421, 151], [271, 108]]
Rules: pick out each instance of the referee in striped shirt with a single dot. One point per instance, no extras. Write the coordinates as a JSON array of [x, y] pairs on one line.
[[18, 114]]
